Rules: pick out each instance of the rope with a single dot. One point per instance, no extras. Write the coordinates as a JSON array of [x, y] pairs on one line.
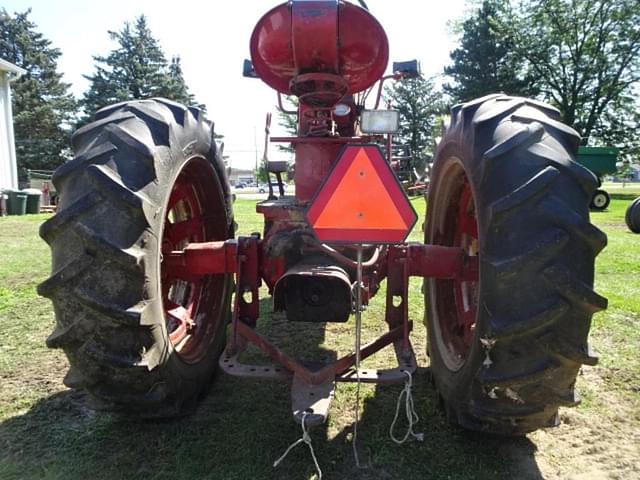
[[306, 438], [412, 416]]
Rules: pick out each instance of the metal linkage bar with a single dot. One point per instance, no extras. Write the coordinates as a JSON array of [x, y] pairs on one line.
[[339, 140], [403, 261], [337, 368], [205, 258], [248, 281], [246, 304], [397, 286], [437, 261], [405, 358]]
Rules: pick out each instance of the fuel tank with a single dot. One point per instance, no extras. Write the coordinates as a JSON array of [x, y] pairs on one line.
[[319, 36]]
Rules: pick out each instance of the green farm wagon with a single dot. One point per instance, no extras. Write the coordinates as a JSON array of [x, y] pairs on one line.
[[601, 161]]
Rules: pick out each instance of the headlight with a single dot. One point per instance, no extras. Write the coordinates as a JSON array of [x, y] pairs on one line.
[[380, 121], [341, 110]]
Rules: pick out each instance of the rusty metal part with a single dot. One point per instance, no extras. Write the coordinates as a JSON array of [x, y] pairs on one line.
[[284, 110], [433, 261], [204, 258], [315, 121], [230, 363], [246, 306], [313, 162], [314, 399], [322, 90], [192, 311], [339, 367], [322, 140], [441, 262], [319, 36], [335, 254], [397, 301], [314, 36], [406, 363], [288, 240]]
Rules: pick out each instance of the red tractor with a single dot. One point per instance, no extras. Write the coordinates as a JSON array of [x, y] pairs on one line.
[[153, 293]]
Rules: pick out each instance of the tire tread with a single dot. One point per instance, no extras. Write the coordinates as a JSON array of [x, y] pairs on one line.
[[108, 339], [532, 350]]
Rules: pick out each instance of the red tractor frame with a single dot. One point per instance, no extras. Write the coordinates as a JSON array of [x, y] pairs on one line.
[[147, 273]]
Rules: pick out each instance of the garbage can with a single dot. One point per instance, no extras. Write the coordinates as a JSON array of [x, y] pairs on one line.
[[3, 203], [33, 199], [17, 204]]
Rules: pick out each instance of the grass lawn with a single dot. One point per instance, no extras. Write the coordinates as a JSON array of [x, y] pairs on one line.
[[48, 432]]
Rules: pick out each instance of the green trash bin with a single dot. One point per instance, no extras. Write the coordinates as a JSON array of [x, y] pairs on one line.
[[17, 204], [33, 199]]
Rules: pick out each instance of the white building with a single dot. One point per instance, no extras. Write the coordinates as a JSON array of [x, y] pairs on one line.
[[238, 175], [8, 166]]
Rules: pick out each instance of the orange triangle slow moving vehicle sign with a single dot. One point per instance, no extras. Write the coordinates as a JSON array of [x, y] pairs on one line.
[[361, 201]]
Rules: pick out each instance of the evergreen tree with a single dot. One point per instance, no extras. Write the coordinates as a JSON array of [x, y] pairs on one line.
[[174, 85], [136, 69], [288, 121], [485, 62], [420, 105], [43, 108]]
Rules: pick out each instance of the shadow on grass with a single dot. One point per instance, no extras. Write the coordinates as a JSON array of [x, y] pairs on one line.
[[237, 433], [447, 452], [243, 425]]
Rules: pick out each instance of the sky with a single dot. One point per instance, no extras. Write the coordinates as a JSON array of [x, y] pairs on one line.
[[212, 39]]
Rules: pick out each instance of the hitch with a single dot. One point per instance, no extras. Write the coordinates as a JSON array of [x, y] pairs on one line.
[[312, 389]]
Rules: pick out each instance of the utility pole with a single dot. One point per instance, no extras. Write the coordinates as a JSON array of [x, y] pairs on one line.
[[255, 147]]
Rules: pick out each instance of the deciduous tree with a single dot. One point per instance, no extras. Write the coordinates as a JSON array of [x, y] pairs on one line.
[[585, 53]]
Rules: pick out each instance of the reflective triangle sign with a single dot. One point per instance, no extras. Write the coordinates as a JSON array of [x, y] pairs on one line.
[[361, 201]]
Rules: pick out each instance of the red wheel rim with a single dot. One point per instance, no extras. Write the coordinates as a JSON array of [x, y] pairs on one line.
[[457, 299], [193, 304]]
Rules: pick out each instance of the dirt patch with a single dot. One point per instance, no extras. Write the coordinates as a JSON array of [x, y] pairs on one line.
[[599, 441]]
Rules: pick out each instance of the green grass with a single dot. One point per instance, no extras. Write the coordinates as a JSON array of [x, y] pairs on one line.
[[618, 279], [620, 191], [47, 431]]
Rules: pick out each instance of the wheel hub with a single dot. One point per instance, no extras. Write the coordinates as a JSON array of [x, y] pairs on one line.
[[457, 299], [191, 310]]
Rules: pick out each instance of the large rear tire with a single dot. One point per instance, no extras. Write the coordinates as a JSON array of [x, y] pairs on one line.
[[146, 179], [505, 350], [632, 216]]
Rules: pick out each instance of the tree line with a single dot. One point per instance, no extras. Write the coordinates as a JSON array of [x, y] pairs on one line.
[[582, 56], [45, 112]]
